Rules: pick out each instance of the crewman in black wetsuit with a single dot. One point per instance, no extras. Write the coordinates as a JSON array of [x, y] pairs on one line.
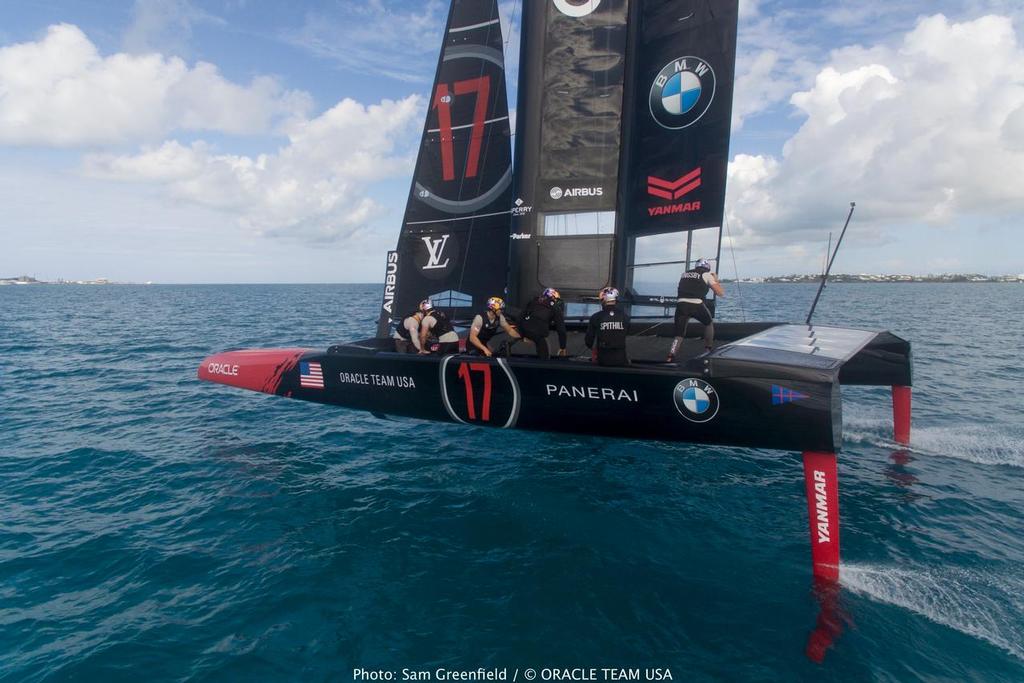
[[436, 322], [486, 325], [537, 319], [693, 287], [608, 328], [407, 333]]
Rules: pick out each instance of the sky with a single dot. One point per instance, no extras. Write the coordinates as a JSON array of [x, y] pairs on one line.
[[244, 141]]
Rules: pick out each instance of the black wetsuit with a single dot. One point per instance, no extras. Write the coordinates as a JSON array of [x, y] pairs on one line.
[[539, 316], [405, 344], [488, 329], [693, 286], [441, 327], [608, 329]]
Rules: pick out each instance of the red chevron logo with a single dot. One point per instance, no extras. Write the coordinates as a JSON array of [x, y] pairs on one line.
[[673, 189]]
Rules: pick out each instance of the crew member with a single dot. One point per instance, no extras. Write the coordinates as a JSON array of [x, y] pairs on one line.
[[537, 319], [608, 328], [407, 333], [693, 287], [486, 325], [436, 322]]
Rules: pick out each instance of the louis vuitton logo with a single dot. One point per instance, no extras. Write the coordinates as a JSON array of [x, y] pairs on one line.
[[435, 250]]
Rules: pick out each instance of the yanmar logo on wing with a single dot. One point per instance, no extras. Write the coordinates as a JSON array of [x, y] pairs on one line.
[[673, 190]]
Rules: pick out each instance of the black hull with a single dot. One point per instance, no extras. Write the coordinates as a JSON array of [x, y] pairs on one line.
[[738, 395]]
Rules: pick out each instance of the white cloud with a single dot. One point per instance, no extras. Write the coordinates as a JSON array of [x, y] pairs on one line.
[[60, 91], [749, 8], [359, 37], [164, 26], [929, 131], [313, 189]]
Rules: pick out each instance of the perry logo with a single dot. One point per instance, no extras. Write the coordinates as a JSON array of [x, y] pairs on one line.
[[577, 8], [682, 92], [696, 400], [435, 250]]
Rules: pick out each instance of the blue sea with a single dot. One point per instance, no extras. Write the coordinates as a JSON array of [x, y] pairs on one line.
[[156, 528]]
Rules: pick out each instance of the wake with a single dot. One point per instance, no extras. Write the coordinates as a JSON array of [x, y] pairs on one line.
[[986, 606], [971, 443]]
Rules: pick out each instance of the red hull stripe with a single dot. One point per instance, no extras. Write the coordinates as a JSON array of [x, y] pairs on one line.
[[259, 370]]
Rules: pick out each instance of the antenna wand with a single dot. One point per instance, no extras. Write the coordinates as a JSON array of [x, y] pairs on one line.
[[824, 276]]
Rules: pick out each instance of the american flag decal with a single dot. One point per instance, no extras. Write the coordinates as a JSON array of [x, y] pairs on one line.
[[311, 376], [782, 395]]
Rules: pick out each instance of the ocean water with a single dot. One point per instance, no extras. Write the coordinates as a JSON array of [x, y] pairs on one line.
[[156, 528]]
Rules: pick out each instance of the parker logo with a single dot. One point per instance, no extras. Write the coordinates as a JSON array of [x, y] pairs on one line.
[[577, 8], [521, 235], [673, 189], [574, 192]]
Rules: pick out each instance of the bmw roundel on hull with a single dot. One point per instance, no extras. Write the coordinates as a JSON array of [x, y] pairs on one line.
[[696, 400], [682, 92]]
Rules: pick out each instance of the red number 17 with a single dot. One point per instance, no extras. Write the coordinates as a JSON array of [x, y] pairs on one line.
[[464, 370], [442, 102]]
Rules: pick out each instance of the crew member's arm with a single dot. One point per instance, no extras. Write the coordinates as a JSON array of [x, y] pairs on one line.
[[414, 332], [474, 336], [591, 331], [509, 330], [425, 326], [715, 285], [560, 328]]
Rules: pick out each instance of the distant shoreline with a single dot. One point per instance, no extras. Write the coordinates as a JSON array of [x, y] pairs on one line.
[[956, 278]]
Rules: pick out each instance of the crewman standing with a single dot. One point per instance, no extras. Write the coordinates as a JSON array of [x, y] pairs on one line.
[[608, 329], [693, 288]]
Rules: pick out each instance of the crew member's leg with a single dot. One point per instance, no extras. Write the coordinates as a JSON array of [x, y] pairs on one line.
[[447, 348], [681, 321], [613, 358], [703, 315], [542, 346], [403, 346]]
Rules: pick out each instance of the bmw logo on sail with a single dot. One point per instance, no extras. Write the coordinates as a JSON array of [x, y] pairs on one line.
[[682, 92], [576, 8]]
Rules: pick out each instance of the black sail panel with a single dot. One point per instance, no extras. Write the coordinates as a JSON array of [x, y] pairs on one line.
[[453, 246], [679, 117], [571, 78]]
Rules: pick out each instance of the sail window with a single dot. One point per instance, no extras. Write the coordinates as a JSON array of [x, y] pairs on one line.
[[658, 260], [572, 224]]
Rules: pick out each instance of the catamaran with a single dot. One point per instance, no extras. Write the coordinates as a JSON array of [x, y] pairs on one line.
[[620, 159]]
